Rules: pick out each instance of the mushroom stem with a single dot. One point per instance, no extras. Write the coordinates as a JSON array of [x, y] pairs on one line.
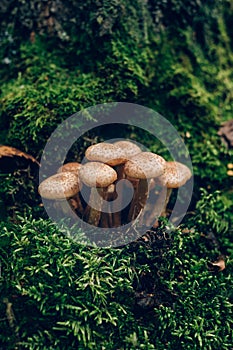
[[92, 212], [76, 205], [117, 204], [63, 206], [134, 182], [106, 216], [163, 212], [120, 171], [116, 215], [152, 198], [139, 199], [168, 195], [116, 219], [157, 208]]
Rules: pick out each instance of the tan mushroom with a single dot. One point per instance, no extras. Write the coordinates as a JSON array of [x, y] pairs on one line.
[[61, 187], [96, 175], [129, 149], [108, 195], [106, 153], [143, 166], [73, 167], [176, 175], [116, 155]]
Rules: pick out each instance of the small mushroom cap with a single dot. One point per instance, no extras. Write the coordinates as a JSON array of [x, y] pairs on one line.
[[95, 174], [131, 181], [111, 188], [145, 165], [130, 149], [60, 186], [72, 167], [176, 175], [105, 153]]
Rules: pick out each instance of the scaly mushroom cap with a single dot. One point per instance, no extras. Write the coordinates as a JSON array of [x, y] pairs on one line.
[[73, 167], [95, 174], [60, 186], [130, 149], [176, 175], [105, 153], [145, 165]]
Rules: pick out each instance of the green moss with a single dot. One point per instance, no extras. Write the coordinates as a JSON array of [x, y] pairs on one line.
[[175, 57], [82, 296]]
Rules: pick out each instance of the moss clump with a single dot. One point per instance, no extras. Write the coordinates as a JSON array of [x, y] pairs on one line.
[[156, 291], [59, 57]]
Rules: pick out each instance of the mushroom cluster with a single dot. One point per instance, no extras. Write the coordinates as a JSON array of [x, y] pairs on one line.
[[112, 174]]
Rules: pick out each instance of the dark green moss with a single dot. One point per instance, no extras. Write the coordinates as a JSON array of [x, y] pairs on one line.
[[83, 296], [57, 58]]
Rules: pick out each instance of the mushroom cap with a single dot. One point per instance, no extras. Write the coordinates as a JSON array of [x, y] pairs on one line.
[[145, 165], [131, 181], [95, 174], [176, 175], [72, 167], [130, 149], [60, 186], [105, 153]]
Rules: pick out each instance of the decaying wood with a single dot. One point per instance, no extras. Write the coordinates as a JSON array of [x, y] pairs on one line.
[[8, 151]]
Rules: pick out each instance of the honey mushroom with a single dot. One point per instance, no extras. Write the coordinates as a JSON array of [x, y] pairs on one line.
[[130, 149], [115, 156], [73, 167], [105, 153], [61, 187], [143, 166], [131, 163], [153, 208], [97, 176], [176, 175], [142, 169], [112, 155]]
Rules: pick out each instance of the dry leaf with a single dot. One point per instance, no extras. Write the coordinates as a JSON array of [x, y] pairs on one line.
[[8, 151], [218, 265], [226, 133]]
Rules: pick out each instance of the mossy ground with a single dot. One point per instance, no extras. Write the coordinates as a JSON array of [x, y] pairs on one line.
[[159, 294]]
